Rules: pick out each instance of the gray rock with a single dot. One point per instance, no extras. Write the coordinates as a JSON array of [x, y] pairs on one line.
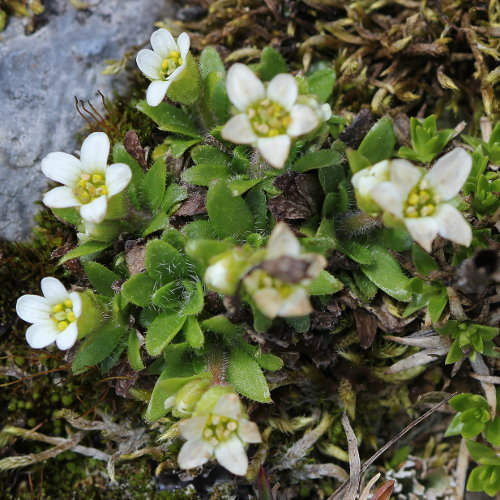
[[39, 76]]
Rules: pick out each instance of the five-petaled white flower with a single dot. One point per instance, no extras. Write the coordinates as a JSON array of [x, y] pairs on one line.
[[269, 116], [419, 199], [164, 63], [222, 433], [53, 316], [88, 181], [280, 286]]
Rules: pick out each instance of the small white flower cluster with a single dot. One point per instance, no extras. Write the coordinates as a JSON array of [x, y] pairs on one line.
[[277, 278], [54, 316], [269, 117], [164, 63], [420, 199], [223, 432], [88, 182]]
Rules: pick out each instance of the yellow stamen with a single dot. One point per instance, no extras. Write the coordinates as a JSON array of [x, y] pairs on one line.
[[71, 316], [68, 303], [57, 308], [62, 325]]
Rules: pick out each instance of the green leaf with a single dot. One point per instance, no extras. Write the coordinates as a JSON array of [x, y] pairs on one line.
[[170, 119], [266, 361], [159, 221], [229, 215], [153, 185], [121, 155], [386, 274], [424, 262], [481, 453], [221, 325], [97, 346], [271, 64], [185, 87], [139, 289], [163, 262], [101, 278], [484, 478], [209, 155], [70, 215], [193, 298], [321, 83], [379, 143], [134, 351], [168, 297], [325, 284], [467, 400], [454, 427], [357, 161], [318, 159], [257, 202], [87, 248], [211, 61], [162, 331], [245, 375], [356, 251], [178, 146], [492, 431], [241, 186], [437, 303], [454, 354], [301, 324], [203, 175], [173, 196], [193, 333]]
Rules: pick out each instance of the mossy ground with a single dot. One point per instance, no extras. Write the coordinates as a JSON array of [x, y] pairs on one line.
[[422, 65]]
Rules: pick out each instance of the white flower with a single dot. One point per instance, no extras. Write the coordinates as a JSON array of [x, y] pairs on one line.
[[164, 63], [279, 287], [226, 269], [222, 433], [269, 116], [365, 180], [420, 199], [88, 181], [53, 316]]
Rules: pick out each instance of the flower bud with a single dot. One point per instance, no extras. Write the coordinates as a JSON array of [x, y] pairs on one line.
[[188, 396]]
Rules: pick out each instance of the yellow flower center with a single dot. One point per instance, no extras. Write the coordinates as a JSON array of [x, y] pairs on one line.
[[90, 187], [219, 428], [268, 118], [62, 314], [171, 63], [421, 202]]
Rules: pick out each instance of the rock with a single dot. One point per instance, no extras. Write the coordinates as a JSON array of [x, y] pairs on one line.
[[39, 76]]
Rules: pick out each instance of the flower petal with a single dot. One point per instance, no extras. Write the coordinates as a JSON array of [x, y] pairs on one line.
[[239, 130], [33, 308], [94, 152], [326, 112], [53, 290], [231, 455], [304, 119], [77, 303], [194, 453], [118, 177], [248, 431], [95, 211], [282, 242], [163, 43], [61, 197], [296, 304], [452, 225], [184, 42], [228, 406], [176, 73], [157, 91], [149, 63], [275, 149], [405, 176], [67, 337], [243, 86], [62, 167], [423, 230], [192, 428], [449, 173], [388, 197], [41, 334], [268, 300], [284, 90]]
